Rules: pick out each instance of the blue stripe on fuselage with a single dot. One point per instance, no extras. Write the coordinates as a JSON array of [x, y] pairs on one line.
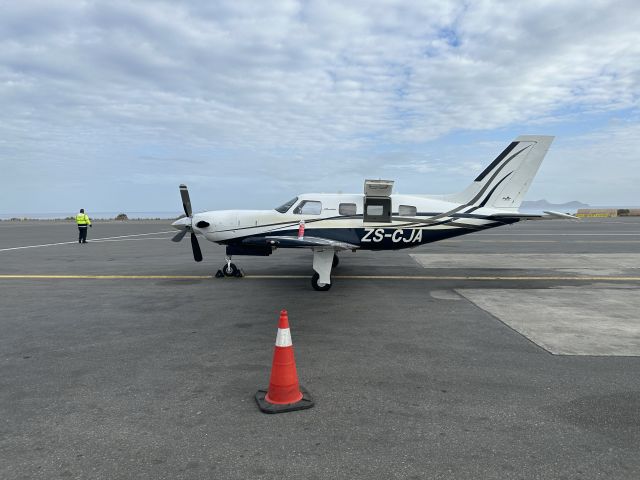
[[376, 238]]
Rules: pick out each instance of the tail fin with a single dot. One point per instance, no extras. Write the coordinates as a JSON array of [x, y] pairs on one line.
[[504, 183]]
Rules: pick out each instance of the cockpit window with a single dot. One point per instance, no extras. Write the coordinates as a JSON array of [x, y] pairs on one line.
[[309, 207], [286, 206]]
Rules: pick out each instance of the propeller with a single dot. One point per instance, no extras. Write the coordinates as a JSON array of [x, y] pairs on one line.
[[187, 226], [195, 246], [179, 236], [186, 201]]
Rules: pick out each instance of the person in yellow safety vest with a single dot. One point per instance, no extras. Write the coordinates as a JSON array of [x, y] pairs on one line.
[[82, 219]]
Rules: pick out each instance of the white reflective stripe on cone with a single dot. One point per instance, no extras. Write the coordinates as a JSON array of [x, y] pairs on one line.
[[283, 339]]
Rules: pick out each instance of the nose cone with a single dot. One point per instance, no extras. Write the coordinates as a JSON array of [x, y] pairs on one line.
[[182, 223]]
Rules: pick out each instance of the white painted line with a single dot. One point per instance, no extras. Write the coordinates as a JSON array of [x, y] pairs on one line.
[[589, 263], [93, 240], [526, 240], [128, 239], [609, 234]]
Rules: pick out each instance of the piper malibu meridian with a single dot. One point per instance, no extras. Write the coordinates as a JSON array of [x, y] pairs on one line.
[[375, 220]]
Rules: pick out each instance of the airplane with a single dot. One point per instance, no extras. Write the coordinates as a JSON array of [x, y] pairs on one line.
[[374, 220]]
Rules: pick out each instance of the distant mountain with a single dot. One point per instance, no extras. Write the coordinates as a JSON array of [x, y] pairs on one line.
[[544, 205]]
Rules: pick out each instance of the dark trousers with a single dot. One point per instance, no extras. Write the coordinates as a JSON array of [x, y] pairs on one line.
[[82, 233]]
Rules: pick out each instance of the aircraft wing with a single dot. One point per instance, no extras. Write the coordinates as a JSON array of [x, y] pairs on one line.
[[290, 241], [548, 215]]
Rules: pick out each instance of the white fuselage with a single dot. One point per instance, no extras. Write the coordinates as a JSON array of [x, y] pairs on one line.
[[410, 214]]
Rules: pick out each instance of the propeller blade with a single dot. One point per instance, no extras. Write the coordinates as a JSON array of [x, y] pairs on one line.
[[186, 201], [179, 236], [195, 246]]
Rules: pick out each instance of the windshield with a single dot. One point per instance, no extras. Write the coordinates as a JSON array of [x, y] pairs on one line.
[[286, 206]]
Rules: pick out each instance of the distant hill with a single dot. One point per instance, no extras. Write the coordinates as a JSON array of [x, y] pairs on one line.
[[544, 205]]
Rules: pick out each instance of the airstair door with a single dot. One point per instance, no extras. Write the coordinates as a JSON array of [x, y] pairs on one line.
[[377, 201]]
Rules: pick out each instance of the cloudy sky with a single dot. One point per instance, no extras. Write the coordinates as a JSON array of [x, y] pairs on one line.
[[110, 105]]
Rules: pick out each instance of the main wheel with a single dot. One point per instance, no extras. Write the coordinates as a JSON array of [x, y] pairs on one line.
[[336, 261], [230, 270], [317, 286]]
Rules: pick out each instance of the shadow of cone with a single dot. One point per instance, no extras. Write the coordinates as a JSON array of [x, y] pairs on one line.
[[285, 393]]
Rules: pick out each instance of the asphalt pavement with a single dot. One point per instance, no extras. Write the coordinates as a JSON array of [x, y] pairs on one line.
[[123, 358]]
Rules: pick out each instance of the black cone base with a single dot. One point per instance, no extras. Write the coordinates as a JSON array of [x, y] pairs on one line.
[[266, 407]]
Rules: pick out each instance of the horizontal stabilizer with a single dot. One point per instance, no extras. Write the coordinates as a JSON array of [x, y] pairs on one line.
[[534, 216], [561, 215]]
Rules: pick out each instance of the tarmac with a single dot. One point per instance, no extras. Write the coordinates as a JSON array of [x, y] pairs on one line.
[[507, 354]]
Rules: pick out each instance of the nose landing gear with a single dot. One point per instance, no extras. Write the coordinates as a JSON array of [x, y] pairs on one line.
[[229, 269]]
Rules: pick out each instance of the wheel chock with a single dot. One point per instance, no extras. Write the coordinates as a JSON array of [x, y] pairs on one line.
[[238, 274]]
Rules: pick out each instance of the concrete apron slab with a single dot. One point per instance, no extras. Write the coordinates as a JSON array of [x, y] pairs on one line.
[[568, 321], [581, 263]]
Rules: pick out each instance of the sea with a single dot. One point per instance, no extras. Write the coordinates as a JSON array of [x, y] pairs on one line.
[[96, 215], [162, 215]]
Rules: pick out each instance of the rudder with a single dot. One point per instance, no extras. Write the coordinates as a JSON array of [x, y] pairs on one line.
[[505, 182]]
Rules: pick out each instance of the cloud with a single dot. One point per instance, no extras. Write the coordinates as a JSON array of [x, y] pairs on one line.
[[603, 163], [297, 94]]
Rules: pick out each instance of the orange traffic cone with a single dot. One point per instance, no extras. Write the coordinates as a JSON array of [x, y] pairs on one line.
[[285, 393]]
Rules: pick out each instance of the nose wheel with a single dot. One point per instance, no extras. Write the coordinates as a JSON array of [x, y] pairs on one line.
[[229, 270]]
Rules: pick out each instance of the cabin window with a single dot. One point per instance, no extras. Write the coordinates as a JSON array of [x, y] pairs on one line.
[[377, 209], [309, 207], [347, 209], [407, 211], [286, 206]]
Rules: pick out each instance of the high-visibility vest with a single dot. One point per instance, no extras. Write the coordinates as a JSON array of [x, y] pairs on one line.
[[82, 219]]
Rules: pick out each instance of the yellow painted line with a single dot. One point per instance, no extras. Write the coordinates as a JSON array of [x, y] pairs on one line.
[[424, 277], [104, 277], [343, 277], [486, 277]]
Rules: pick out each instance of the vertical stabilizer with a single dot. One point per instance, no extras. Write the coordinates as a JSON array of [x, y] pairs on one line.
[[505, 182]]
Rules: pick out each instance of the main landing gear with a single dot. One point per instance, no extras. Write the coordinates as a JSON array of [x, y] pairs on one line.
[[320, 287], [323, 262]]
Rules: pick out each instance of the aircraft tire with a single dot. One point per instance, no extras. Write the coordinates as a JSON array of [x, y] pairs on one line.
[[336, 261], [316, 286], [230, 270]]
